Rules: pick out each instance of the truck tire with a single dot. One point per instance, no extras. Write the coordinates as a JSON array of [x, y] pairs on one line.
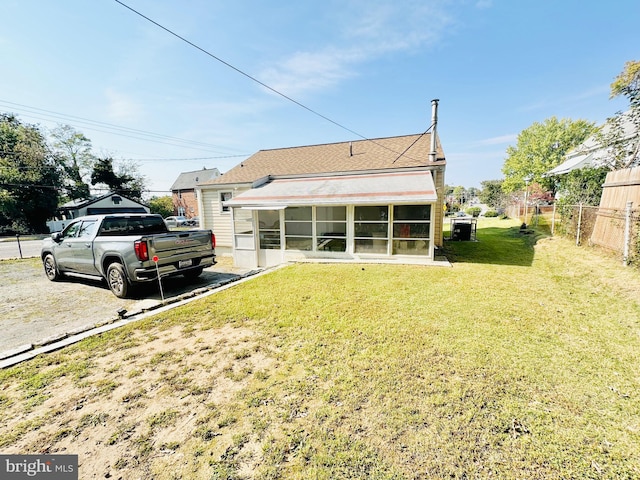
[[117, 280], [192, 274], [50, 268]]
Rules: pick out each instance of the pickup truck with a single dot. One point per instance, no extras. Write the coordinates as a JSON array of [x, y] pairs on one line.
[[126, 250]]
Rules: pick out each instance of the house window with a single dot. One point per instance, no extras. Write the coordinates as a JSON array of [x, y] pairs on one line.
[[331, 229], [225, 196], [243, 229], [371, 229], [269, 229], [411, 229], [181, 211], [298, 228]]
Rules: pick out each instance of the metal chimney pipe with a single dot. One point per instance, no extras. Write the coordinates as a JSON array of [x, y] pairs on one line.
[[434, 124]]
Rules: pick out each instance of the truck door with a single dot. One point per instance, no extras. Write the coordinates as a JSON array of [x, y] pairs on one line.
[[63, 250], [83, 248], [74, 253]]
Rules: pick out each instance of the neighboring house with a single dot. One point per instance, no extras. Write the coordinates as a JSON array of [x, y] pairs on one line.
[[367, 200], [592, 154], [98, 205], [184, 194]]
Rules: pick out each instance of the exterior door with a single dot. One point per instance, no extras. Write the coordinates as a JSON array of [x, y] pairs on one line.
[[270, 238]]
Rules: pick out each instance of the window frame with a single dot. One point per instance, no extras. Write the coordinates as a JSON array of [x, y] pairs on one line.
[[225, 209]]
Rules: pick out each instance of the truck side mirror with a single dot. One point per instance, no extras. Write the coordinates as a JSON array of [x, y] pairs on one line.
[[56, 237]]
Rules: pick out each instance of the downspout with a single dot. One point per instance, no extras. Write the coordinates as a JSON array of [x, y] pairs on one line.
[[432, 159], [434, 124]]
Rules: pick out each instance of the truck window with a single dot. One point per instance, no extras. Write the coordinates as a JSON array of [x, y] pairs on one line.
[[72, 230], [88, 226], [132, 226]]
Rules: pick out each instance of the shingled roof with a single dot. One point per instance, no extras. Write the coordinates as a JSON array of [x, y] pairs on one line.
[[361, 155], [189, 180]]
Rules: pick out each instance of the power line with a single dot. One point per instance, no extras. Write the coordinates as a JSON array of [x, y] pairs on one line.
[[110, 128], [252, 78], [206, 52], [185, 159]]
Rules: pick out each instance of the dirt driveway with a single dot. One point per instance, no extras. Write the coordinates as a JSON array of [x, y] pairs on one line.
[[35, 311]]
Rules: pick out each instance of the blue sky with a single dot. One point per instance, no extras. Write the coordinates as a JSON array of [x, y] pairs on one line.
[[371, 66]]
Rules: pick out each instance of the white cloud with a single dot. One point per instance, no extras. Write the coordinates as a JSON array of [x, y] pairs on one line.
[[385, 27], [120, 107], [484, 4], [500, 140], [310, 71]]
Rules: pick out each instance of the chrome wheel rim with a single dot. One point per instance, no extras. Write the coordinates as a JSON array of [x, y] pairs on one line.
[[115, 281]]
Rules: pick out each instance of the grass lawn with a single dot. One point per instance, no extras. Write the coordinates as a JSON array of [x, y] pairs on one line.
[[520, 361]]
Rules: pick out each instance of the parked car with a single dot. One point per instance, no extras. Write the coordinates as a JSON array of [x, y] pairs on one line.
[[126, 250], [175, 221], [193, 222]]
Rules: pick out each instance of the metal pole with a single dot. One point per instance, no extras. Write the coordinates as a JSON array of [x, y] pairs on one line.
[[579, 224], [553, 219], [627, 234], [19, 246]]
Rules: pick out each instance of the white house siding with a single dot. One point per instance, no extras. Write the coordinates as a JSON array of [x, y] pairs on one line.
[[213, 218]]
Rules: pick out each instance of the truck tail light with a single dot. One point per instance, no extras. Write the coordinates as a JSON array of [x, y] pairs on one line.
[[141, 249], [213, 240]]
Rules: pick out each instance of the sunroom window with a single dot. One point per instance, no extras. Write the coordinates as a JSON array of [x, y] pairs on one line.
[[331, 229], [411, 229], [371, 229], [298, 228]]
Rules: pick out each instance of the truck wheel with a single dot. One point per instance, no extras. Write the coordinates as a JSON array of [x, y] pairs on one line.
[[192, 274], [51, 269], [117, 280]]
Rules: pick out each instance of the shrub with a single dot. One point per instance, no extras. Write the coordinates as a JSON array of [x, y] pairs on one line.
[[490, 213], [474, 211]]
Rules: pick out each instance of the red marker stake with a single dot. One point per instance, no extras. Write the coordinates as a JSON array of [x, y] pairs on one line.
[[155, 259]]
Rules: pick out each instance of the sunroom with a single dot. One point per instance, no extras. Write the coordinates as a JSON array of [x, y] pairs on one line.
[[365, 217]]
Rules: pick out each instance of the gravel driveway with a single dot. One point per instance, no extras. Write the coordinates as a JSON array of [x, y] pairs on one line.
[[34, 311]]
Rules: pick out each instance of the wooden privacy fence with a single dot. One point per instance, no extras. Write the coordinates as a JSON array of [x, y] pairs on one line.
[[614, 224]]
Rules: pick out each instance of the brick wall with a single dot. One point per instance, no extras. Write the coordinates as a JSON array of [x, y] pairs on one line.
[[188, 201]]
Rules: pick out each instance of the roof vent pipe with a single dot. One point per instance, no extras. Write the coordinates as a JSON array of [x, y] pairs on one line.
[[434, 124], [351, 149]]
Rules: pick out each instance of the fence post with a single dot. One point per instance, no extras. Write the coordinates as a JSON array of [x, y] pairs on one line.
[[579, 223], [553, 219], [627, 234]]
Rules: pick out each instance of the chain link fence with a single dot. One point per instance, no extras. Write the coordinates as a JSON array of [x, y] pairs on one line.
[[613, 229]]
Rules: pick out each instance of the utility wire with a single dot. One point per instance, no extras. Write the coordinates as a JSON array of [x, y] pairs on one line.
[[414, 142], [117, 130], [252, 78]]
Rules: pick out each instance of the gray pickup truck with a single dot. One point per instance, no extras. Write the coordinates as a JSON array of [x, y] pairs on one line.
[[126, 250]]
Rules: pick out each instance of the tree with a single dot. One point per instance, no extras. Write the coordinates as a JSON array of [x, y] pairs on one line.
[[623, 144], [28, 178], [541, 147], [627, 83], [122, 182], [73, 152], [493, 195], [460, 194], [161, 205], [583, 185]]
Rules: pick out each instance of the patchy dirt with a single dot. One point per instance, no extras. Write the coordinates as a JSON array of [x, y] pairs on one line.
[[121, 430], [34, 310]]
